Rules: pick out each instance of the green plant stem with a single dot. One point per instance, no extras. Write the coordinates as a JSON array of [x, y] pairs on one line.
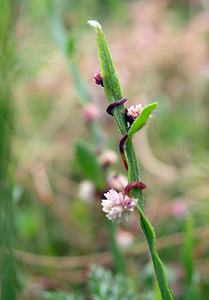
[[113, 92]]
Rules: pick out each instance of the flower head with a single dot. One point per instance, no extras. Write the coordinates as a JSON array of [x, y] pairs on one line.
[[134, 111], [117, 206]]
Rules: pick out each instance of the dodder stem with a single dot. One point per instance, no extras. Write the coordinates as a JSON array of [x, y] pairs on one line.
[[121, 147]]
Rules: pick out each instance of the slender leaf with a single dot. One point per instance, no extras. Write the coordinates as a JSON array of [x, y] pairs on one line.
[[142, 118]]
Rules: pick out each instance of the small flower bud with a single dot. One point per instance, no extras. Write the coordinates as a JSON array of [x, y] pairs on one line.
[[98, 78], [134, 111], [90, 113], [117, 206], [108, 158]]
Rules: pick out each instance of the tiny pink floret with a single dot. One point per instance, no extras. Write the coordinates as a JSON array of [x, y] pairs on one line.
[[134, 111]]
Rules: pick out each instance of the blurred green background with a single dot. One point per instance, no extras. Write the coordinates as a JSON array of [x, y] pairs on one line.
[[53, 121]]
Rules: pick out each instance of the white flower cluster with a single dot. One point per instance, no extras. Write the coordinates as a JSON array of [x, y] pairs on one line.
[[117, 206]]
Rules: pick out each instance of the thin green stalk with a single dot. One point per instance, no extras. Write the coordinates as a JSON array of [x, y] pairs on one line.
[[113, 92]]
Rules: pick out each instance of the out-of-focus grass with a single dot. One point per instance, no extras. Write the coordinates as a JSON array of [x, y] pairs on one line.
[[161, 52], [8, 67]]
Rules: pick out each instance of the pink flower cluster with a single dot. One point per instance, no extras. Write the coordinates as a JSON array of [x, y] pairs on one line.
[[117, 206]]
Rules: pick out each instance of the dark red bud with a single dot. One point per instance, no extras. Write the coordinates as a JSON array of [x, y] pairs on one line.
[[98, 78]]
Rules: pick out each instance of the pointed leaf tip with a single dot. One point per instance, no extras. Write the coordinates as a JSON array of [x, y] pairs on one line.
[[95, 24]]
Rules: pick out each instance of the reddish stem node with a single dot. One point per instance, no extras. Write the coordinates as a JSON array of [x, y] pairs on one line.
[[139, 184]]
